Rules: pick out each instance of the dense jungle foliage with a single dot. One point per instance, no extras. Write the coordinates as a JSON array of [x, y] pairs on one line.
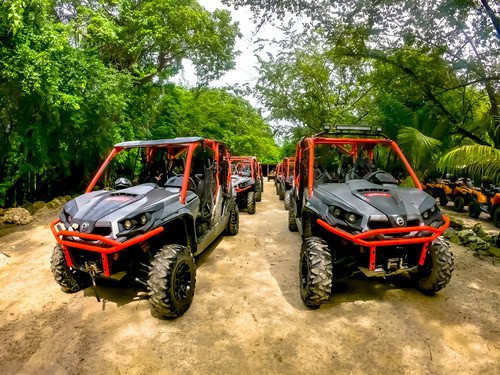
[[428, 71], [78, 76]]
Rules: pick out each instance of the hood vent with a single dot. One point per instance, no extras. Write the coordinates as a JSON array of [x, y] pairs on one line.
[[119, 194], [372, 190]]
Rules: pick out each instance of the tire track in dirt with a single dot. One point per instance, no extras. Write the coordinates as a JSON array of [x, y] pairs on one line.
[[247, 316]]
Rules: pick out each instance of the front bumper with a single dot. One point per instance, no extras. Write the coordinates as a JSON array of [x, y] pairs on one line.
[[95, 243], [375, 238]]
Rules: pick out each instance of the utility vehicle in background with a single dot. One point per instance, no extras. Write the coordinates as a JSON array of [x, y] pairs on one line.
[[246, 181], [286, 181]]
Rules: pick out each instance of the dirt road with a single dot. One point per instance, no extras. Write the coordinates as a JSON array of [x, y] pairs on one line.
[[247, 316]]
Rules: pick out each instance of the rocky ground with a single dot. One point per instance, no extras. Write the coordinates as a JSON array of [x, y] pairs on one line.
[[247, 316]]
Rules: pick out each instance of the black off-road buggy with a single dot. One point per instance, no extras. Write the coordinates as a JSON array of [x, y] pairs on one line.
[[246, 181], [354, 214], [286, 180], [279, 175], [151, 207]]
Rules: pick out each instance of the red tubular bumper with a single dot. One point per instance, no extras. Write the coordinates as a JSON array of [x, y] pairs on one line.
[[110, 246], [238, 190], [362, 239]]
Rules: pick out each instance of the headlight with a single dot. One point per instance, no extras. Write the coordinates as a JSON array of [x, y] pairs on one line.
[[143, 219], [127, 224], [340, 214], [69, 218], [425, 215], [350, 218]]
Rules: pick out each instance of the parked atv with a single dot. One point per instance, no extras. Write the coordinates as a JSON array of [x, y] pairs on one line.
[[353, 216], [462, 193], [441, 188], [144, 217], [286, 181], [487, 201], [246, 182], [272, 175]]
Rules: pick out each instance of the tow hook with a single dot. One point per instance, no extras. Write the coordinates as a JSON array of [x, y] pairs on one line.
[[93, 271]]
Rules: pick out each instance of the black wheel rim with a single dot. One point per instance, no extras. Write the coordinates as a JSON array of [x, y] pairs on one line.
[[182, 282]]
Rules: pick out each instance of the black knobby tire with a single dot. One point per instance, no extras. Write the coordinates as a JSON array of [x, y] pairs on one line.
[[262, 185], [281, 193], [258, 192], [233, 224], [70, 280], [292, 224], [474, 210], [443, 199], [288, 195], [436, 272], [172, 280], [495, 216], [316, 272], [459, 203], [251, 202]]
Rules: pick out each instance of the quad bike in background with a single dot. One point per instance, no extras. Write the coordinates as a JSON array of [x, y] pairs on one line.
[[462, 193], [286, 181], [246, 181], [272, 175], [441, 188], [353, 216], [488, 201], [144, 217]]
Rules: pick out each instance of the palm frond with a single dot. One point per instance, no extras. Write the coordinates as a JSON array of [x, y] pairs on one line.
[[475, 160], [418, 147]]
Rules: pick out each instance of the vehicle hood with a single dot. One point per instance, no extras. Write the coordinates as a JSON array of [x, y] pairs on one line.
[[376, 202], [241, 181], [102, 208]]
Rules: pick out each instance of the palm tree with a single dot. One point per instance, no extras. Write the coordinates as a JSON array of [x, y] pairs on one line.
[[476, 160]]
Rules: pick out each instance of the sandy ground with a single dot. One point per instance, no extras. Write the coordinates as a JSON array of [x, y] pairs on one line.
[[247, 316]]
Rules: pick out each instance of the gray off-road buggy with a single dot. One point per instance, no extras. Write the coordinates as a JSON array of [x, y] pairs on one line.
[[247, 182], [152, 206], [351, 204], [286, 181]]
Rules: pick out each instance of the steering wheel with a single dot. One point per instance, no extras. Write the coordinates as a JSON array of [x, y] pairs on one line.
[[176, 182], [380, 177], [191, 183]]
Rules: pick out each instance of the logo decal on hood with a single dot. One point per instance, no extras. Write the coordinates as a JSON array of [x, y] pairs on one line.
[[400, 221]]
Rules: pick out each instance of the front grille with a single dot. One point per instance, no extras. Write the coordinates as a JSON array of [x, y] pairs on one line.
[[102, 231], [373, 224], [80, 257], [413, 223]]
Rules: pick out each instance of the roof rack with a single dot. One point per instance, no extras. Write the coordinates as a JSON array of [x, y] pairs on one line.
[[345, 129]]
